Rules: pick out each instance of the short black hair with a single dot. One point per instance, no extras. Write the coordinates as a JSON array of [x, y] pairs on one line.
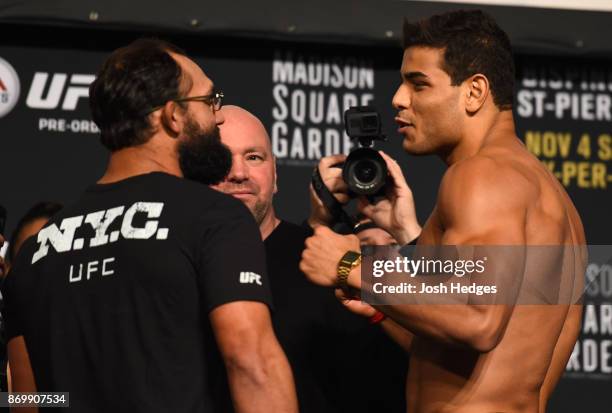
[[44, 209], [132, 81], [473, 43]]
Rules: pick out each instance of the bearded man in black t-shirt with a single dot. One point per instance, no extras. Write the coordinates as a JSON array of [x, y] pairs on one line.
[[122, 297], [335, 355]]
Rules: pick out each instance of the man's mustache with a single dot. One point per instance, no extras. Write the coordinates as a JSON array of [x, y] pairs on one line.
[[229, 187]]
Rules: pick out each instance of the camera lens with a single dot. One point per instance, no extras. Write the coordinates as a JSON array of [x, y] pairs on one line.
[[365, 171]]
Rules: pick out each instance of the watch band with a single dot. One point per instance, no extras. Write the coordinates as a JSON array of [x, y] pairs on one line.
[[349, 260]]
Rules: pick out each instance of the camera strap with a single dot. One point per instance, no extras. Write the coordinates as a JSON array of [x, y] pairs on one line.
[[329, 200]]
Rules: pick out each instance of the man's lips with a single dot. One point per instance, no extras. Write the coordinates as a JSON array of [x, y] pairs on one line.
[[403, 124], [240, 193]]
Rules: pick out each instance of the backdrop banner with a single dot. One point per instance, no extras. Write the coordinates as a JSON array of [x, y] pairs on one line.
[[49, 146]]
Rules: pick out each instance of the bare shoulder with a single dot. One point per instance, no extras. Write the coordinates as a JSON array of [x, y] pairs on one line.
[[485, 182], [483, 199]]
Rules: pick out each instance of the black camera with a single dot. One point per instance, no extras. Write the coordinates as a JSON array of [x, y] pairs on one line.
[[365, 171]]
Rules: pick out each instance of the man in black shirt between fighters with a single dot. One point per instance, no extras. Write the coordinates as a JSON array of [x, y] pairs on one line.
[[335, 355]]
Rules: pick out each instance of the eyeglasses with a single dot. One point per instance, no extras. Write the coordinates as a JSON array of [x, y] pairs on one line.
[[215, 100]]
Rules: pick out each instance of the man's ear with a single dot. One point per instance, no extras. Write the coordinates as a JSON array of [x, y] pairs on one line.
[[476, 89], [173, 118]]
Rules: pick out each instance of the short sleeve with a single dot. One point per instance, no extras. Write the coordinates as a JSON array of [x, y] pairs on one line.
[[232, 263]]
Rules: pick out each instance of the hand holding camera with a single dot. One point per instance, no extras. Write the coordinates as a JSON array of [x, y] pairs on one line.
[[371, 176], [331, 177], [395, 213], [339, 178]]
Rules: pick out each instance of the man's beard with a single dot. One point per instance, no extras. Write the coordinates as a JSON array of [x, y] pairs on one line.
[[202, 156], [259, 211]]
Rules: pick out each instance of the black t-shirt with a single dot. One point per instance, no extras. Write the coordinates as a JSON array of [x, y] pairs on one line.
[[340, 362], [113, 296]]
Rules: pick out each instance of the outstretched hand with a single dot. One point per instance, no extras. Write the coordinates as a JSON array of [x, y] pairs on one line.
[[354, 304]]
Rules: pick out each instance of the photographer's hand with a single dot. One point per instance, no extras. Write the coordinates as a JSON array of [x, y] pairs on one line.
[[332, 178], [395, 213]]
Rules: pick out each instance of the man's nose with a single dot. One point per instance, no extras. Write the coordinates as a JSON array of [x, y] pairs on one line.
[[401, 99], [239, 171]]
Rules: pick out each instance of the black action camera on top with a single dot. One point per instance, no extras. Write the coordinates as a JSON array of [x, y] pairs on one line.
[[365, 171]]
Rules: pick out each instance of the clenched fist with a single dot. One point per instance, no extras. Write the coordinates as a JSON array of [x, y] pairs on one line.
[[323, 252]]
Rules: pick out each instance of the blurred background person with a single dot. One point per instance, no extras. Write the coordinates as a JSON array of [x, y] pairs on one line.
[[29, 224]]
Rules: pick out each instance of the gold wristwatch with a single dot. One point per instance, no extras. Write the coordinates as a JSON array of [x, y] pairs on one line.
[[349, 260]]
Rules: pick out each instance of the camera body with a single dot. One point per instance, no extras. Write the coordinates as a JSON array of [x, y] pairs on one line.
[[365, 171]]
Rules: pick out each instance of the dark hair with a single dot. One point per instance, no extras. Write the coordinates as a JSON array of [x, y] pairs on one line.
[[473, 43], [132, 81], [39, 210]]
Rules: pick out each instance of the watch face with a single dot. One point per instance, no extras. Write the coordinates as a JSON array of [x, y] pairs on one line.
[[351, 256]]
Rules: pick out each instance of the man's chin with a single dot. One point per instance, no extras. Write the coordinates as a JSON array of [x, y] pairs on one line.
[[416, 148], [249, 200]]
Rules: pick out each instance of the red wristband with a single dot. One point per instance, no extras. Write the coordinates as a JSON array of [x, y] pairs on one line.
[[377, 318]]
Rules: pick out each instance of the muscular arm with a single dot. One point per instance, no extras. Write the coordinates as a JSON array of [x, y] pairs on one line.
[[398, 334], [563, 350], [477, 205], [22, 377], [259, 375]]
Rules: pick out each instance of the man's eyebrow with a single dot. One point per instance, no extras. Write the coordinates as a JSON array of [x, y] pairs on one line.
[[255, 148], [414, 76]]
